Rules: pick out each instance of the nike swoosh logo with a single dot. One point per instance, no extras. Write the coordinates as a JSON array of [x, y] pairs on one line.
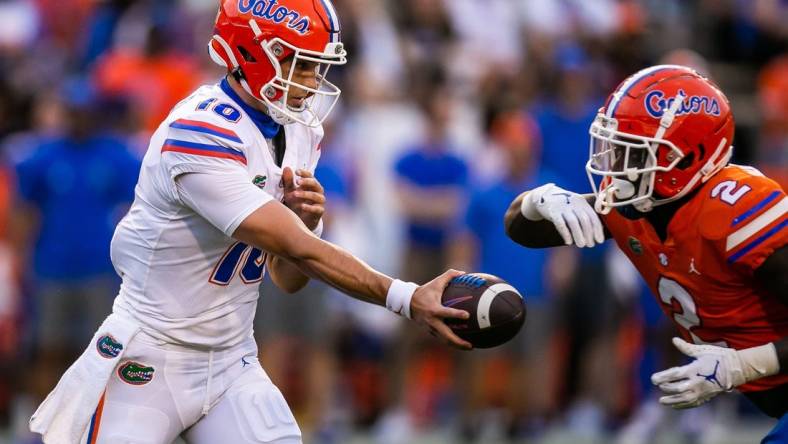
[[456, 301]]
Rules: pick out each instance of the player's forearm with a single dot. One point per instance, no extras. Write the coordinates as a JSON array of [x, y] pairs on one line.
[[529, 233], [285, 275], [343, 271], [275, 229]]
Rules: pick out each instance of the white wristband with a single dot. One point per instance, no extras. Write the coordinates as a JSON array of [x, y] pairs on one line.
[[399, 295], [319, 228], [759, 362]]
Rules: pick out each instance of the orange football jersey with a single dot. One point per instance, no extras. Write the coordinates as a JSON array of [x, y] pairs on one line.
[[702, 274]]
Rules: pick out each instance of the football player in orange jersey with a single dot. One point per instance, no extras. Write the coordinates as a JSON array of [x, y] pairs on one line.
[[708, 237]]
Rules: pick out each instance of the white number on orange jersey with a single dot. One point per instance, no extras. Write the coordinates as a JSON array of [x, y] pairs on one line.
[[728, 192], [670, 290]]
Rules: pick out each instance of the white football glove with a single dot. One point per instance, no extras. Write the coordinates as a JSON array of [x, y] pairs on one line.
[[573, 217], [714, 370]]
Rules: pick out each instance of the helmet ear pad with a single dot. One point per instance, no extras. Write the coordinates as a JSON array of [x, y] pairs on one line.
[[259, 68], [218, 53]]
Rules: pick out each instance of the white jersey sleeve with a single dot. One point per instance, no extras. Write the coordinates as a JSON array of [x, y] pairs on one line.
[[192, 146], [223, 197]]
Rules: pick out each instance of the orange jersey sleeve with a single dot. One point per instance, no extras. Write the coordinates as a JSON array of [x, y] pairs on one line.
[[748, 214]]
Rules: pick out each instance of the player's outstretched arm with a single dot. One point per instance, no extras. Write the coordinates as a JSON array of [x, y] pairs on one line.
[[550, 216], [229, 201], [277, 230], [530, 233]]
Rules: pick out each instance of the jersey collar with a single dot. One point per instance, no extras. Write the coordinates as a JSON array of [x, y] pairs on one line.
[[263, 121]]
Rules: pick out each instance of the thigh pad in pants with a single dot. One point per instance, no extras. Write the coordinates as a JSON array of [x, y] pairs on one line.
[[253, 411]]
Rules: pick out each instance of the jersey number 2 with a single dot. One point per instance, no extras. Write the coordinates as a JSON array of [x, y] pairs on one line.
[[728, 192], [252, 270], [687, 316]]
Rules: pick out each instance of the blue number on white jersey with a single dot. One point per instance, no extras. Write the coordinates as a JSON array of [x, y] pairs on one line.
[[252, 270]]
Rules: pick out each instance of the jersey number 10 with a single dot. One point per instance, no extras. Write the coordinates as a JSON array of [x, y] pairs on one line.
[[252, 270], [225, 110]]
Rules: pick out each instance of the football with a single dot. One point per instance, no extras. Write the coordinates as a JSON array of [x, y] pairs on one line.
[[497, 309]]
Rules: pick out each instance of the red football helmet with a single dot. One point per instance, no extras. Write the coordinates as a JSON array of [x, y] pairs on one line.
[[253, 37], [663, 131]]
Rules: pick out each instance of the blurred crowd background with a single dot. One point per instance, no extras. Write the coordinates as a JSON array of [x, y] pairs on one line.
[[450, 109]]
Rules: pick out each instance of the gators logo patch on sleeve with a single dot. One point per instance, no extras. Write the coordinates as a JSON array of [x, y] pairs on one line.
[[135, 373], [108, 347], [259, 181]]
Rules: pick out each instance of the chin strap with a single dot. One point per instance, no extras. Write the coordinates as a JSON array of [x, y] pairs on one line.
[[603, 202], [712, 167], [619, 189]]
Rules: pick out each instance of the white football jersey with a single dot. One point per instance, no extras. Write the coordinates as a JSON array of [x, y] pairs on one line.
[[185, 280]]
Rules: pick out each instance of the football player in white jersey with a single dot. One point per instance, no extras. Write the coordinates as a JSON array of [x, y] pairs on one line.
[[226, 192]]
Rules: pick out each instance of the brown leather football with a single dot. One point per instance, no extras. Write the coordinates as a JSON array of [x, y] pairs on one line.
[[497, 309]]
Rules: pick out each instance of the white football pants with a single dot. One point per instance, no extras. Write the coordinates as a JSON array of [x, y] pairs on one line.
[[161, 391]]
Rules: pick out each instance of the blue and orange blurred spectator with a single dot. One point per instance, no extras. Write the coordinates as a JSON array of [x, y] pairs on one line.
[[484, 245], [773, 98], [73, 190], [431, 183], [481, 244], [564, 118], [63, 20], [154, 78]]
